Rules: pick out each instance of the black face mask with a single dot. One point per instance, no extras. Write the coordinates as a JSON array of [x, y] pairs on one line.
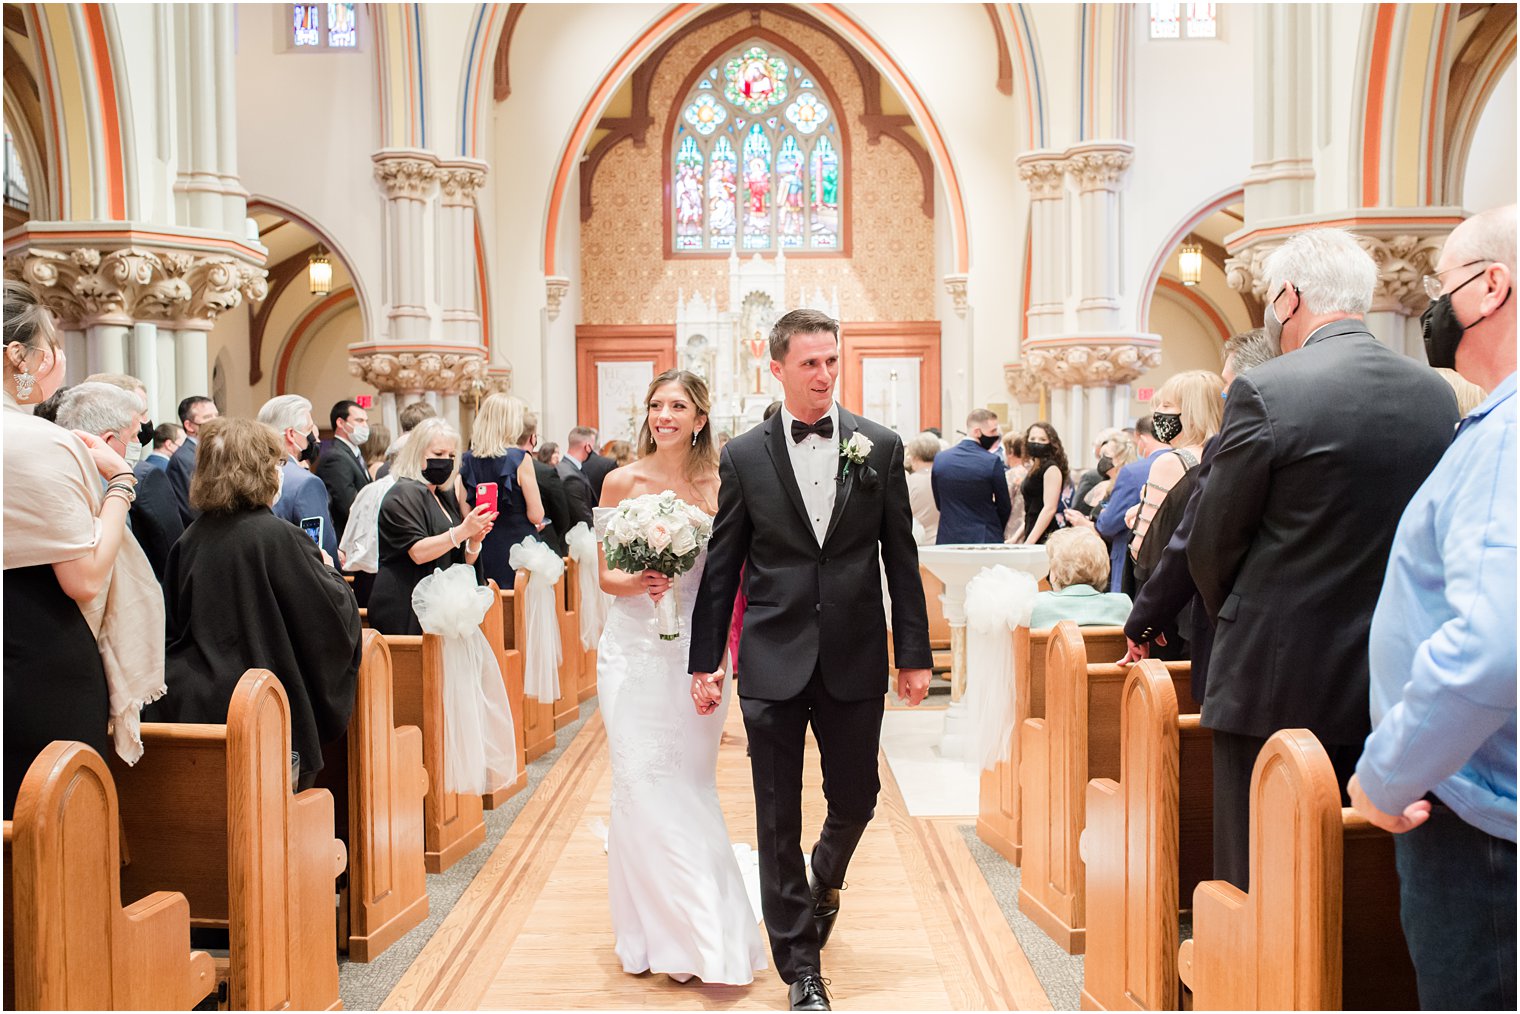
[[145, 433], [1038, 450], [1443, 331], [437, 471], [1166, 425], [989, 440], [1105, 466], [309, 452]]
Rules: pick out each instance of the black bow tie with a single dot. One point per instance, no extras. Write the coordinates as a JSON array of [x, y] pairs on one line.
[[823, 427]]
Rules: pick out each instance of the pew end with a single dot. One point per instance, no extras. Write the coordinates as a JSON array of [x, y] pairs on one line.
[[209, 812], [387, 785], [567, 707], [1319, 928], [69, 943], [453, 823]]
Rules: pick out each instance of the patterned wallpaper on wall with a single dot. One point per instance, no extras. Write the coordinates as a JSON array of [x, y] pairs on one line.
[[889, 275]]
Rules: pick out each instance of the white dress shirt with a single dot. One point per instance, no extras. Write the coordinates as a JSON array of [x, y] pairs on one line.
[[815, 462]]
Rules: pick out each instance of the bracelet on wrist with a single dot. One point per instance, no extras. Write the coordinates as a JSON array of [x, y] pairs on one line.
[[123, 475], [453, 539]]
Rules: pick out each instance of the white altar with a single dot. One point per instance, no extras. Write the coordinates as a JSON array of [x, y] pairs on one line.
[[729, 347]]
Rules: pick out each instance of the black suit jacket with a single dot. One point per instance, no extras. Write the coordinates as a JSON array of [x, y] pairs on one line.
[[1320, 452], [579, 496], [344, 475], [181, 468], [156, 523], [595, 468], [1170, 588], [556, 507], [798, 589]]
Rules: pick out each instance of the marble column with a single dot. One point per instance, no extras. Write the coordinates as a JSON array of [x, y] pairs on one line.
[[408, 179], [1043, 172], [192, 367], [1099, 169], [144, 359], [107, 343], [458, 181]]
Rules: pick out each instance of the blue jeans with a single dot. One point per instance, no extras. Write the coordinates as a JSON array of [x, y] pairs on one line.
[[1457, 890]]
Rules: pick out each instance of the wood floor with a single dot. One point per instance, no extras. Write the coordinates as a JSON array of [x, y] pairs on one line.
[[918, 930]]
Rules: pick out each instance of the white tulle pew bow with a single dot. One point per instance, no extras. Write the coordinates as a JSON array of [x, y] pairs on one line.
[[542, 653], [997, 600], [587, 555]]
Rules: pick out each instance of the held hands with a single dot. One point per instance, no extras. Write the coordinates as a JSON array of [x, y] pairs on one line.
[[655, 583], [707, 691], [107, 461], [913, 686], [1415, 814]]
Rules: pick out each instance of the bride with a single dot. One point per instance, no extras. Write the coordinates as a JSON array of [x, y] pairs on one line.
[[679, 903]]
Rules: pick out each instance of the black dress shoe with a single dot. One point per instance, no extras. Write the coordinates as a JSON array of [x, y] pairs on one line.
[[809, 992], [825, 909]]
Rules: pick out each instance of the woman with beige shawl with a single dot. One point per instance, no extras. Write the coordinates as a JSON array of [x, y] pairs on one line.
[[84, 616]]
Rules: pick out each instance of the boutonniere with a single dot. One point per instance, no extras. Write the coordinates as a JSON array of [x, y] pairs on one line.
[[854, 453]]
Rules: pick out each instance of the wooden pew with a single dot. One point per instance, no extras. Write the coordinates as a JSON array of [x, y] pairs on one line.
[[999, 820], [538, 717], [568, 707], [387, 888], [208, 811], [573, 640], [69, 942], [1149, 842], [1319, 929], [499, 627], [453, 823], [1077, 738]]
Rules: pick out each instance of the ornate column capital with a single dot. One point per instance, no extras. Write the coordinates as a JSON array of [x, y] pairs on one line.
[[1101, 165], [1044, 173], [556, 287], [183, 288], [1093, 361], [955, 285], [1403, 262], [459, 182], [1023, 383], [405, 172], [447, 369]]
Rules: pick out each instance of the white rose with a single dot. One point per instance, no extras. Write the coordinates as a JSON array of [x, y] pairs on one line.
[[861, 444], [658, 536], [683, 541]]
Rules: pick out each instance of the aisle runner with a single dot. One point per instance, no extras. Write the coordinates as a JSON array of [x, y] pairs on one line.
[[919, 928]]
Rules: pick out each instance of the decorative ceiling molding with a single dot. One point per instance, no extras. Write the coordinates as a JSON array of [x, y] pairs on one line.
[[502, 78], [1004, 58]]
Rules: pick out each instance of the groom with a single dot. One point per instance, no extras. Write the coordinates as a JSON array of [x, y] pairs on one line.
[[807, 499]]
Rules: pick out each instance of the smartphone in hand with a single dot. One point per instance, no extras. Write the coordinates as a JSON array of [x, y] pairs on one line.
[[313, 529], [485, 496]]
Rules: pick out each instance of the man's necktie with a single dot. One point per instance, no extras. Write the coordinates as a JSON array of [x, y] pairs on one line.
[[823, 427]]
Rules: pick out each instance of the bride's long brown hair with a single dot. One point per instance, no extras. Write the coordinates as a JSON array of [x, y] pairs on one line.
[[702, 456]]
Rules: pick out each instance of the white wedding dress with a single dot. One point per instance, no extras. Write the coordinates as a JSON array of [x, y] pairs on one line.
[[679, 899]]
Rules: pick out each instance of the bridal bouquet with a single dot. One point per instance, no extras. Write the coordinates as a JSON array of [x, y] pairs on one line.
[[658, 532]]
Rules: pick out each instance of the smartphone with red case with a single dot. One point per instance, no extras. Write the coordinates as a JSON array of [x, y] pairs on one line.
[[485, 494]]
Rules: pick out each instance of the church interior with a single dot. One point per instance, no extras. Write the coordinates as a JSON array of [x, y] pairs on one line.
[[1044, 210]]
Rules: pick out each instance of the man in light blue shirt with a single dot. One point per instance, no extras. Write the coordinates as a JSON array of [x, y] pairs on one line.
[[1438, 769]]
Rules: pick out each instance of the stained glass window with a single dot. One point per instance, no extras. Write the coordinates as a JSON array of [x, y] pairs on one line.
[[688, 196], [17, 194], [1201, 21], [304, 26], [342, 26], [1179, 20], [755, 159]]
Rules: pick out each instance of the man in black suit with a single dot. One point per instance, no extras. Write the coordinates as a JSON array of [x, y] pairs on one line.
[[341, 467], [970, 485], [1169, 597], [808, 502], [579, 493], [194, 412], [582, 447], [1296, 520], [557, 517]]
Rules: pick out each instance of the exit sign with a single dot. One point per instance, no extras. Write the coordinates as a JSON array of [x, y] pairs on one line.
[[1145, 394]]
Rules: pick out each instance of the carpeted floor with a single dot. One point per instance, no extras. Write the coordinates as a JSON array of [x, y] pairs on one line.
[[365, 986], [1060, 973]]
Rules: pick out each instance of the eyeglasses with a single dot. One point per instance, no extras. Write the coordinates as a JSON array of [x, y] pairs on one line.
[[1433, 285]]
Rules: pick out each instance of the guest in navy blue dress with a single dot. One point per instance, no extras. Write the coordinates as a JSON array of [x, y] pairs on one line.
[[495, 456]]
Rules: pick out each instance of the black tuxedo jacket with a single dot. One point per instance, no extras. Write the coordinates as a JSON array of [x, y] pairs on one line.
[[810, 606], [556, 507], [344, 475], [156, 523], [1320, 452], [181, 468], [595, 468]]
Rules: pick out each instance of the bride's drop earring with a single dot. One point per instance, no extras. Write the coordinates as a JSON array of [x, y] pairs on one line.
[[694, 437], [24, 384]]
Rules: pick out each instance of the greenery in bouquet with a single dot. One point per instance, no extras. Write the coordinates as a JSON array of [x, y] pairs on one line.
[[659, 532]]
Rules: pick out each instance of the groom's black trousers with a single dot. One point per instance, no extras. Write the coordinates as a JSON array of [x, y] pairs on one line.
[[848, 735]]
